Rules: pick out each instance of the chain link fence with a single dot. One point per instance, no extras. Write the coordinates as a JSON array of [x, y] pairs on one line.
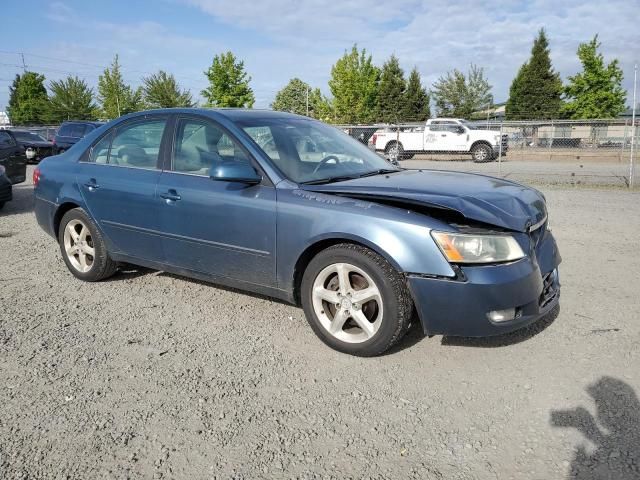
[[606, 142]]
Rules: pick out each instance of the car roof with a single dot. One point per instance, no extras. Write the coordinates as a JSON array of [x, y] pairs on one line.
[[233, 114], [85, 122]]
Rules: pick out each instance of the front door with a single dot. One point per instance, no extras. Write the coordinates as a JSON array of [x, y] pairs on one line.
[[215, 227], [118, 184]]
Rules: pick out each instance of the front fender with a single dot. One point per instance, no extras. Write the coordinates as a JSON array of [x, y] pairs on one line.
[[401, 236]]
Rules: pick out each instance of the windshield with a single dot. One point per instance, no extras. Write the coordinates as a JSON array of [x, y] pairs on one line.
[[309, 151], [28, 137]]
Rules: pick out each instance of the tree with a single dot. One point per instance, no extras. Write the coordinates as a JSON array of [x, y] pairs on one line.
[[28, 100], [458, 95], [161, 90], [354, 86], [597, 91], [416, 100], [115, 97], [71, 99], [297, 95], [228, 83], [536, 90], [390, 104]]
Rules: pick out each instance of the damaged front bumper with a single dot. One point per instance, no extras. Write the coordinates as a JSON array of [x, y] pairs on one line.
[[464, 306]]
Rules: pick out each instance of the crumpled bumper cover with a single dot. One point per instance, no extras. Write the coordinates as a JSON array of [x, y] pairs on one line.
[[459, 307]]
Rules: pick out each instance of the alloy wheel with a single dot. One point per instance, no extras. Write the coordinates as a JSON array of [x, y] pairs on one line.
[[78, 246], [347, 302]]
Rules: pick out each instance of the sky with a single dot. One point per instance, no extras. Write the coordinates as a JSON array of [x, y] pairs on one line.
[[282, 39]]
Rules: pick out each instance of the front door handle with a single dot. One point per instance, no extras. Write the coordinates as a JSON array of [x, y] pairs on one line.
[[443, 135], [170, 196], [92, 185]]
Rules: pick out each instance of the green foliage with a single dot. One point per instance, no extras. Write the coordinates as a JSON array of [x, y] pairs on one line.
[[458, 95], [71, 99], [536, 90], [228, 83], [293, 98], [390, 104], [115, 97], [161, 90], [28, 100], [597, 91], [416, 100], [354, 86]]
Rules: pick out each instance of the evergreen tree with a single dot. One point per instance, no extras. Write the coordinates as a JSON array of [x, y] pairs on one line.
[[390, 105], [228, 83], [459, 95], [354, 86], [28, 100], [416, 100], [71, 99], [597, 91], [115, 97], [296, 95], [536, 90], [161, 90]]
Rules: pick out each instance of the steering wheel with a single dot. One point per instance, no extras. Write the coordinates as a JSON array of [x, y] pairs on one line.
[[325, 161]]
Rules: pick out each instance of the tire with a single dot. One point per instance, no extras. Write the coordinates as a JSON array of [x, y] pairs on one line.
[[87, 243], [1, 205], [386, 316], [395, 147], [482, 153]]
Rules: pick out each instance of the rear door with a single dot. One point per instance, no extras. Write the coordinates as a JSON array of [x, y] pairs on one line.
[[216, 227], [118, 183], [12, 158]]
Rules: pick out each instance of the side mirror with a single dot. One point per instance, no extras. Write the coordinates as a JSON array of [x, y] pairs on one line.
[[235, 172], [460, 130]]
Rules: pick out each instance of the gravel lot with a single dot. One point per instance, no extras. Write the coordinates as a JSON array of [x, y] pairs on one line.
[[149, 375]]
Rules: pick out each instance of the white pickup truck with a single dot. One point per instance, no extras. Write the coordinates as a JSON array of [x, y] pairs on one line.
[[439, 135]]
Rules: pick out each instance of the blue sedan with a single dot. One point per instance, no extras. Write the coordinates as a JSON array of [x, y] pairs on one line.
[[286, 206]]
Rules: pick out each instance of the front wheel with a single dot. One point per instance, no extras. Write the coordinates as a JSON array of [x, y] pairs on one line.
[[83, 248], [481, 153], [355, 301]]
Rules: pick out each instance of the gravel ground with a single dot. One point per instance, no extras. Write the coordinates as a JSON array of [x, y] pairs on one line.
[[587, 172], [149, 375]]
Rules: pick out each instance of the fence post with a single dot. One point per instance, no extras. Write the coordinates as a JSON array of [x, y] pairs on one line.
[[633, 125], [624, 138], [500, 150]]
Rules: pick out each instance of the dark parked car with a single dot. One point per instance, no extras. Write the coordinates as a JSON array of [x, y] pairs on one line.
[[13, 165], [70, 132], [36, 148], [286, 206]]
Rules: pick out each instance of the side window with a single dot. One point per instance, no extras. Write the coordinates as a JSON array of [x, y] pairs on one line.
[[434, 127], [77, 130], [137, 144], [200, 145], [100, 151], [6, 140]]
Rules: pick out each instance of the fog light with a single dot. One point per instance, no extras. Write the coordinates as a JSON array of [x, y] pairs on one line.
[[502, 315]]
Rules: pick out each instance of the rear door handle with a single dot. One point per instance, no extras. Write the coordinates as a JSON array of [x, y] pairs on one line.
[[171, 196], [92, 185]]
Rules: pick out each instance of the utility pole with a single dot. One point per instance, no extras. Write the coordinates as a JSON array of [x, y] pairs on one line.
[[24, 66], [633, 125], [307, 100]]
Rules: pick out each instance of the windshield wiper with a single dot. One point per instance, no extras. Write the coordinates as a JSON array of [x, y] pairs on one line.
[[380, 171], [339, 178]]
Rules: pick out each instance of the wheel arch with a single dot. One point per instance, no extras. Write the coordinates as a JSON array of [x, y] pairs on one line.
[[479, 142], [323, 243], [61, 210], [390, 143]]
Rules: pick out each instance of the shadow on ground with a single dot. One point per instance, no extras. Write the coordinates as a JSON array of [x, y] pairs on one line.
[[614, 431]]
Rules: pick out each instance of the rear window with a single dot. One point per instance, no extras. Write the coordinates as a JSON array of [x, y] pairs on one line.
[[76, 130]]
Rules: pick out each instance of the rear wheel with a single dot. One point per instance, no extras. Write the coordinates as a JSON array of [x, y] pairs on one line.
[[482, 153], [83, 248], [355, 301], [395, 151]]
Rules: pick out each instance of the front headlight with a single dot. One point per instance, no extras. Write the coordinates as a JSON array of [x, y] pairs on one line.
[[472, 248]]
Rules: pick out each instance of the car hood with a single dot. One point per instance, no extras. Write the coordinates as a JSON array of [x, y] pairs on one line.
[[490, 200]]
